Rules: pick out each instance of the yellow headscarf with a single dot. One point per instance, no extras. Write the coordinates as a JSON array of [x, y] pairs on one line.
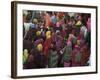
[[35, 21], [25, 55], [39, 47], [48, 33], [38, 33], [78, 23]]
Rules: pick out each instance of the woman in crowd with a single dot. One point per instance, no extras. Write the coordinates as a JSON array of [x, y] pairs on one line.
[[56, 39]]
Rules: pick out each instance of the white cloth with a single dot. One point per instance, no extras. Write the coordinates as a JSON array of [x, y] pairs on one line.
[[27, 26]]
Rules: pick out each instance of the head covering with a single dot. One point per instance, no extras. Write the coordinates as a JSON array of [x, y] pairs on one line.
[[48, 33], [57, 32], [71, 14], [78, 23], [25, 51], [39, 47], [25, 12], [35, 21], [38, 33], [25, 55], [38, 41]]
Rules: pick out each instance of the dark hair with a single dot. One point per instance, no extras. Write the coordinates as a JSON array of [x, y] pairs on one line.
[[50, 13]]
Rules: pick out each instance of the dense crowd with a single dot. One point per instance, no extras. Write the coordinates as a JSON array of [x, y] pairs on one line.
[[56, 39]]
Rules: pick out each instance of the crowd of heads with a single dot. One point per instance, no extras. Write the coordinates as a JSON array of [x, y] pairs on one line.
[[56, 39]]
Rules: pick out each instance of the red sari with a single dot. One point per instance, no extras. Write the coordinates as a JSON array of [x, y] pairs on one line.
[[47, 20], [46, 46]]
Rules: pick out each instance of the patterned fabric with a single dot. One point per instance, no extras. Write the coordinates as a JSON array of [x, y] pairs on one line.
[[53, 59], [78, 57], [67, 54]]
